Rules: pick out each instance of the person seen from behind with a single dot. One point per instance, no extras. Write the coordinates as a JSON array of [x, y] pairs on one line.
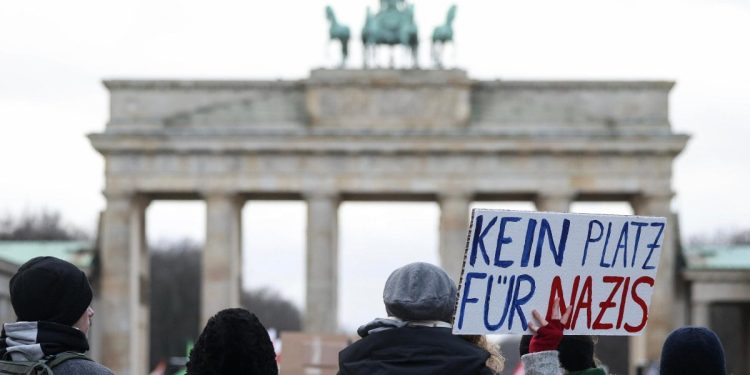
[[415, 338], [575, 354], [52, 301], [549, 352], [234, 341], [692, 351]]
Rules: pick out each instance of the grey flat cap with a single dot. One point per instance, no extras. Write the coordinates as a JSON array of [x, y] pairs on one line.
[[420, 291]]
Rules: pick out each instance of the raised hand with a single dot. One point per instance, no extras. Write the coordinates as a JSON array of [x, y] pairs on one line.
[[547, 335]]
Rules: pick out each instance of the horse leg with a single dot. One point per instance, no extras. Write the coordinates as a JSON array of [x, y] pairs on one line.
[[439, 55], [344, 51], [365, 60], [415, 56]]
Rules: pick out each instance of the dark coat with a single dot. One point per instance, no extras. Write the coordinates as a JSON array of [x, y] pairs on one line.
[[413, 351], [81, 367]]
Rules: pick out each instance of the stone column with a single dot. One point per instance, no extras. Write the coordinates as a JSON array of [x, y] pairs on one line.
[[700, 314], [454, 231], [661, 319], [221, 285], [321, 312], [554, 202], [123, 311]]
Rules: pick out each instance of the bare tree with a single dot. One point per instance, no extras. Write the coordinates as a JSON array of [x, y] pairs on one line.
[[175, 301], [741, 237], [43, 225], [272, 310]]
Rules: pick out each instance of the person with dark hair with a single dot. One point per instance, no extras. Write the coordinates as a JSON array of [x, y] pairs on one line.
[[416, 338], [52, 301], [548, 351], [233, 342], [575, 353], [692, 350]]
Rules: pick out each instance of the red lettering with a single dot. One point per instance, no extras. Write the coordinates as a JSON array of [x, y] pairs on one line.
[[557, 292], [640, 302], [617, 280], [583, 304], [623, 301]]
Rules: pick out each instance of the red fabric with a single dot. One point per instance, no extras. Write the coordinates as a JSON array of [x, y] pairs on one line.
[[547, 337]]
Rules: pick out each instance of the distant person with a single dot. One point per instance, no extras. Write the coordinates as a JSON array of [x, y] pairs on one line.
[[52, 301], [416, 337], [692, 351], [233, 342], [549, 352], [575, 354]]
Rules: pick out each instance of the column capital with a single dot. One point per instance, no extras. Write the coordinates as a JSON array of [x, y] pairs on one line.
[[460, 195], [554, 200], [130, 198], [652, 203], [322, 194], [219, 194], [210, 193], [654, 196], [557, 194], [114, 194]]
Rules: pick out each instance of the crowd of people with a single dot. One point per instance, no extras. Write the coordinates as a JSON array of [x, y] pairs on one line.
[[52, 301]]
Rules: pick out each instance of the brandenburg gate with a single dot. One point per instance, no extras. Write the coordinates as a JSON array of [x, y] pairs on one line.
[[375, 134]]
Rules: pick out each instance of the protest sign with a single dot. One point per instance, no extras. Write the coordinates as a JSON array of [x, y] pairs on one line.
[[602, 265]]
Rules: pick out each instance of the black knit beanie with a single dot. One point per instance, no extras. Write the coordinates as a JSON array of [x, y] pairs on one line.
[[50, 289], [692, 350], [576, 352]]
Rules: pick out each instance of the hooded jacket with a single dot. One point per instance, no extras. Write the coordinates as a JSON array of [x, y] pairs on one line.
[[32, 341], [417, 340], [413, 350]]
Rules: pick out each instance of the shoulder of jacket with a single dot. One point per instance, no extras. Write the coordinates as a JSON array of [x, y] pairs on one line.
[[541, 363], [81, 366]]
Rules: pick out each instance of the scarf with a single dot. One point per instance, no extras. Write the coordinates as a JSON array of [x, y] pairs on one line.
[[32, 341], [382, 324]]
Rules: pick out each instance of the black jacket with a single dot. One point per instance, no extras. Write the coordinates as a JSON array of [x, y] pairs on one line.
[[413, 351]]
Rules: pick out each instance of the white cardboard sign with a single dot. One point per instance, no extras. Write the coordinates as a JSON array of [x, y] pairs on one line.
[[602, 265]]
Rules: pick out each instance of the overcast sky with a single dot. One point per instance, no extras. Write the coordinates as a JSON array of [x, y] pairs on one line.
[[54, 54]]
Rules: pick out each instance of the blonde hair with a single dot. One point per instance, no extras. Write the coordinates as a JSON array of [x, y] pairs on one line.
[[496, 361]]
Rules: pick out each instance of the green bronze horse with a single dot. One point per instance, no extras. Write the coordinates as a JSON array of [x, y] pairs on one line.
[[441, 35], [338, 32]]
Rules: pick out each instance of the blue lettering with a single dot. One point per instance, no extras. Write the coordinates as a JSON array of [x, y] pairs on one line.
[[545, 231], [479, 240], [604, 249], [622, 243], [639, 225], [654, 245], [465, 298], [504, 280], [518, 302], [590, 239], [528, 243], [502, 240]]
